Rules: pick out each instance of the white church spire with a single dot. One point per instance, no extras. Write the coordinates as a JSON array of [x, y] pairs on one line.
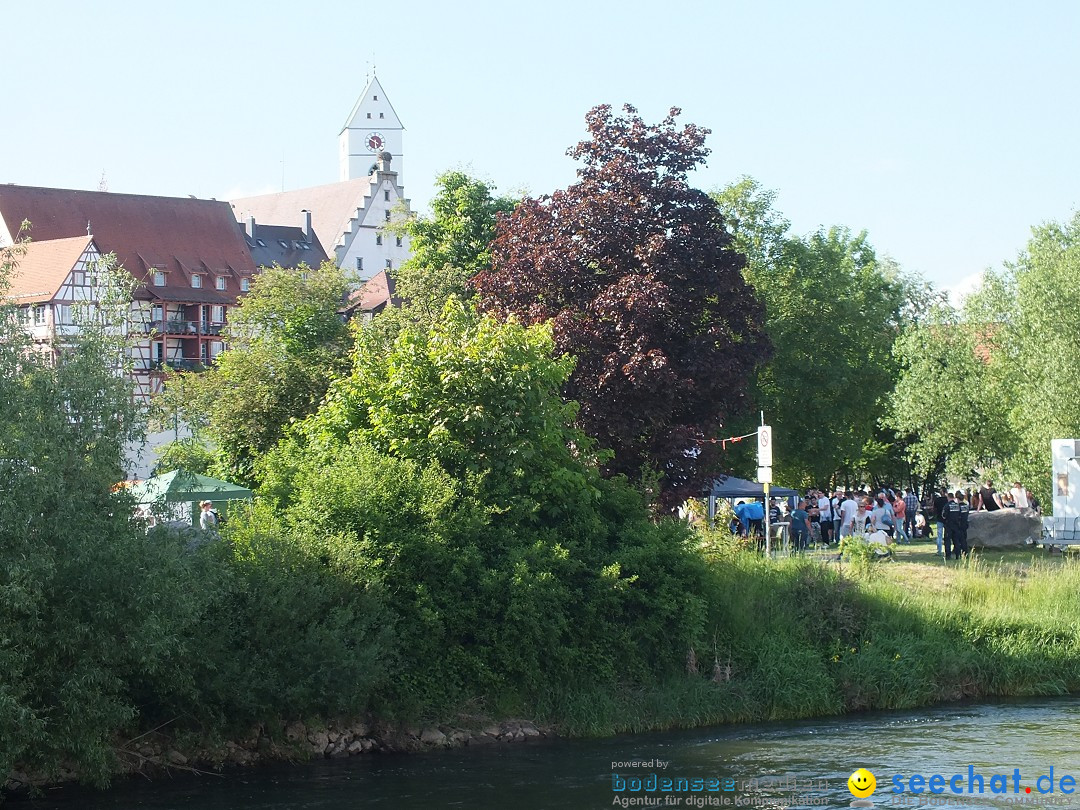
[[372, 127]]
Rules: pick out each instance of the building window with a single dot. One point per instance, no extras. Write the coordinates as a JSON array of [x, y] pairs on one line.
[[369, 115], [389, 265], [398, 240], [217, 313], [378, 239], [359, 262], [63, 313], [387, 217], [381, 115], [220, 282], [245, 285], [196, 281], [386, 196], [375, 98], [39, 315], [78, 278], [159, 278]]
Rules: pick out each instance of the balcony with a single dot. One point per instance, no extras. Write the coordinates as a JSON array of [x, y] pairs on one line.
[[175, 326], [177, 364]]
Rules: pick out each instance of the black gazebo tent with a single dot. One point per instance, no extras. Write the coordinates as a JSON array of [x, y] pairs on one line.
[[729, 487]]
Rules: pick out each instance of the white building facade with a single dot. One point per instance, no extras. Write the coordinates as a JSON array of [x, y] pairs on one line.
[[353, 218]]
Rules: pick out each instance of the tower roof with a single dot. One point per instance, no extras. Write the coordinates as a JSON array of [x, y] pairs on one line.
[[373, 100]]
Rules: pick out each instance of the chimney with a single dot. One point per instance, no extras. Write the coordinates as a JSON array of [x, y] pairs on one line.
[[308, 237], [251, 226]]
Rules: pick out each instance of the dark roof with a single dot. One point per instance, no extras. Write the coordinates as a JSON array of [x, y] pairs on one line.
[[267, 248], [374, 296], [728, 486], [179, 235]]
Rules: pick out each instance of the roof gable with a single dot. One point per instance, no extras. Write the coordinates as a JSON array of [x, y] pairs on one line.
[[44, 267], [373, 100], [333, 206]]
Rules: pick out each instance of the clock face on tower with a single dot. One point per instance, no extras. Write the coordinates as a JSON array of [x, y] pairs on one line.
[[375, 141]]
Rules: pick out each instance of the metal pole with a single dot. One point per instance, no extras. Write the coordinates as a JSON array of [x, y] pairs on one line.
[[768, 530]]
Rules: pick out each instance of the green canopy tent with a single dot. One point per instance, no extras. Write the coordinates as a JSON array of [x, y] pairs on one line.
[[164, 492]]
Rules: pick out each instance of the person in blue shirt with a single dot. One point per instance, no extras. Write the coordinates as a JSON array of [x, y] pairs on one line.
[[750, 515], [800, 527]]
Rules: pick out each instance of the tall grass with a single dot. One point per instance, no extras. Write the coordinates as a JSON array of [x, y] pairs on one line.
[[798, 638]]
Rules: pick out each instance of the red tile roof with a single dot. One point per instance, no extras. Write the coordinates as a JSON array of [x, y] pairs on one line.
[[41, 270], [171, 233], [377, 292]]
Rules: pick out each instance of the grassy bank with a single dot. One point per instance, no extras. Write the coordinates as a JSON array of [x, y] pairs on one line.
[[805, 637]]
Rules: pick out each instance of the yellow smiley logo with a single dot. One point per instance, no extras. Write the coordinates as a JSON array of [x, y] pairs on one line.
[[862, 783]]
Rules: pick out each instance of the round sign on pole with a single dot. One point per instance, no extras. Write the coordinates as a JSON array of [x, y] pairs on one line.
[[764, 446]]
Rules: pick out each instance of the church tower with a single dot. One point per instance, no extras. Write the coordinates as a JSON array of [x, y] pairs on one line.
[[373, 127]]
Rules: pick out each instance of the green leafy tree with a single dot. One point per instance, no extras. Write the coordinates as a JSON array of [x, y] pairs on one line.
[[1034, 347], [447, 472], [286, 342], [946, 399], [832, 312], [451, 245]]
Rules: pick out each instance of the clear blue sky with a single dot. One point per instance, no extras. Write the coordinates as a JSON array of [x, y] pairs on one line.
[[946, 129]]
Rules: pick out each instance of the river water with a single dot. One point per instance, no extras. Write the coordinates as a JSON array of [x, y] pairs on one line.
[[779, 765]]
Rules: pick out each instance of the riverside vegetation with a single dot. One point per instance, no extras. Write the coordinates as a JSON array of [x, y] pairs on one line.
[[480, 570], [434, 541]]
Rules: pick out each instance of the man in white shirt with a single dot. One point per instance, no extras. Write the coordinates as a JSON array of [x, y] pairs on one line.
[[1020, 496], [847, 515], [825, 511]]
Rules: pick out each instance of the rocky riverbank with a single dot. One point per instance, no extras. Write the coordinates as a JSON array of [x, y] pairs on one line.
[[158, 752]]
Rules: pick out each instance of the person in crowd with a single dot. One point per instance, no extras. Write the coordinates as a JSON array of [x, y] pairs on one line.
[[960, 539], [941, 504], [957, 522], [800, 527], [834, 504], [848, 510], [1021, 498], [825, 517], [862, 516], [920, 525], [900, 515], [911, 512], [950, 516], [774, 511], [751, 514], [815, 517], [208, 518], [991, 501], [881, 518]]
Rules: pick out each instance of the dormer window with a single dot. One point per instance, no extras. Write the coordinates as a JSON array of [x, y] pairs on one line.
[[283, 243], [245, 285], [196, 281], [220, 282], [159, 278]]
